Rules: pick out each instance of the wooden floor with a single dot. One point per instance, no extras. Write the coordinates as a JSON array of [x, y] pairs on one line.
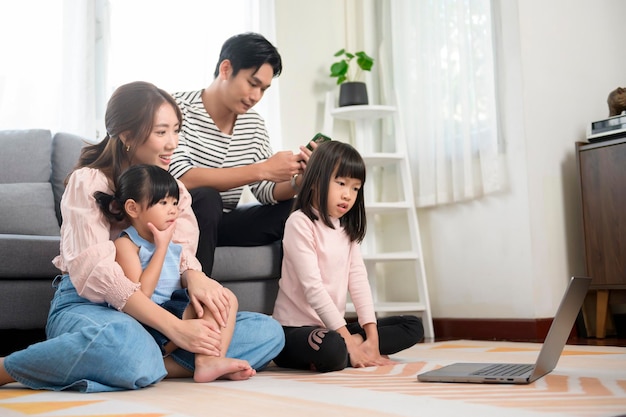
[[609, 341], [13, 340]]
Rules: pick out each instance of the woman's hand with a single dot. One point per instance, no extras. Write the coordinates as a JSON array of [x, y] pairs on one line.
[[197, 336], [205, 292]]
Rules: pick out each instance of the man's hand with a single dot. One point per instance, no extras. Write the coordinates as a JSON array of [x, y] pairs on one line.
[[282, 166]]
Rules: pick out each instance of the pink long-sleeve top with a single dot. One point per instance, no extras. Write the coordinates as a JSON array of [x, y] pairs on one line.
[[87, 252], [320, 267]]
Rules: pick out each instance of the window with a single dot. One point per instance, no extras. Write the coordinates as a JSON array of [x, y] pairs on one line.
[[176, 45], [68, 57]]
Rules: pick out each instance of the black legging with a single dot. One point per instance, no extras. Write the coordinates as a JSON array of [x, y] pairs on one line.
[[323, 350], [250, 225]]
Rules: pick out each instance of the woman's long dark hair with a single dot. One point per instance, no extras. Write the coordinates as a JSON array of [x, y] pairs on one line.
[[341, 160], [143, 183], [130, 111]]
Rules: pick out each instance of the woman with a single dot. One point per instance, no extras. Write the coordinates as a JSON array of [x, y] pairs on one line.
[[92, 345]]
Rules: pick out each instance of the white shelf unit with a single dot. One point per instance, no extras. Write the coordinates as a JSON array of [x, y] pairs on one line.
[[396, 271]]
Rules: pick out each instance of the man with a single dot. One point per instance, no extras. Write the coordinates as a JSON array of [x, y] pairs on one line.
[[224, 146]]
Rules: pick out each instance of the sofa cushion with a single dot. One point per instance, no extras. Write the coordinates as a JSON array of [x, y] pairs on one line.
[[25, 155], [25, 304], [65, 153], [28, 209], [29, 257], [237, 263]]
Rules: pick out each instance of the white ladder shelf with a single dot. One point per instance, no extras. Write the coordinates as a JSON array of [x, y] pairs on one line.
[[393, 291]]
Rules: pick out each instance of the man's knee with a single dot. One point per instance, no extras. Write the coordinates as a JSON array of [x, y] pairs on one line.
[[207, 205]]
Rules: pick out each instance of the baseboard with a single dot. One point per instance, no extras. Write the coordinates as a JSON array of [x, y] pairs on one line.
[[531, 330]]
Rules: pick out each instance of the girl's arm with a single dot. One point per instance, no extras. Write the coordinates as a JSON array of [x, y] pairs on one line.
[[359, 287], [127, 255], [364, 352]]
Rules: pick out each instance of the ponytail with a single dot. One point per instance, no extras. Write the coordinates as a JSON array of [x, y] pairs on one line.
[[110, 205]]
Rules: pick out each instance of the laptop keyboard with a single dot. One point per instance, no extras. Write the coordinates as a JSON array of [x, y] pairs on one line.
[[504, 369]]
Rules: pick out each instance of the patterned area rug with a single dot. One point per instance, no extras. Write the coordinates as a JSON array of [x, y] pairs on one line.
[[589, 381]]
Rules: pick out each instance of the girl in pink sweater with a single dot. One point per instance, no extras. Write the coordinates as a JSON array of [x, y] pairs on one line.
[[322, 263]]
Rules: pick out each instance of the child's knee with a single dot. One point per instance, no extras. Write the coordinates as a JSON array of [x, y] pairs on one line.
[[232, 299], [331, 353], [415, 328]]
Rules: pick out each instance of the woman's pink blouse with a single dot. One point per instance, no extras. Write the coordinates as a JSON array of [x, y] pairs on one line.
[[87, 252]]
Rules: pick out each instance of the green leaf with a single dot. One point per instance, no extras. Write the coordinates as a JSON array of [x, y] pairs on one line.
[[364, 61], [338, 69], [341, 68]]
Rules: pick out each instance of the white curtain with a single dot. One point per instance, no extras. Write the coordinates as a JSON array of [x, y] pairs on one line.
[[440, 67], [62, 59], [176, 45], [47, 76]]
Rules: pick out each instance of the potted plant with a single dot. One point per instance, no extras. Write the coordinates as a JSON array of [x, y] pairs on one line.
[[348, 71]]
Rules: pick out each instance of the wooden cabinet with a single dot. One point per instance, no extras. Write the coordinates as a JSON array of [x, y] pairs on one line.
[[602, 169]]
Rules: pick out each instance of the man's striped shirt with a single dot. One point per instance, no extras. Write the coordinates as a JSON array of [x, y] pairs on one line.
[[202, 144]]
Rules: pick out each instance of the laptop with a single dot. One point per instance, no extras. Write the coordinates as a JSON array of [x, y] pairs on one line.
[[514, 373]]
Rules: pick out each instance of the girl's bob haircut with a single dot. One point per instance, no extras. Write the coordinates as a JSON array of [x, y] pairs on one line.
[[330, 160]]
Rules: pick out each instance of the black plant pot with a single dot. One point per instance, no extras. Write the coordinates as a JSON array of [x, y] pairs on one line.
[[352, 93]]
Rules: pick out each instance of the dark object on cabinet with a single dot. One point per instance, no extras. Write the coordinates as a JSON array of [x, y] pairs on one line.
[[602, 169]]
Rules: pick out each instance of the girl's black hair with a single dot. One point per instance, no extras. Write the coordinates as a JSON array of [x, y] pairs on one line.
[[142, 183], [331, 160], [249, 50]]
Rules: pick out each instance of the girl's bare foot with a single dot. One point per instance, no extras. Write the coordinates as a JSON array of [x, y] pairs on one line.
[[210, 368], [357, 338]]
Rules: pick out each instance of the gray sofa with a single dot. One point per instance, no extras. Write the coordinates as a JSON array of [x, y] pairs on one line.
[[33, 166]]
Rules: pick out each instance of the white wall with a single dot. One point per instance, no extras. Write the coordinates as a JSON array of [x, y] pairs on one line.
[[507, 255], [308, 34]]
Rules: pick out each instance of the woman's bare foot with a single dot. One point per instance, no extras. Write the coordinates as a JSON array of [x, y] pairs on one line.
[[5, 378], [210, 368]]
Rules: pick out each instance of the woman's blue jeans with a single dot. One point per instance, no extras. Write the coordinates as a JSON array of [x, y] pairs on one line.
[[92, 347]]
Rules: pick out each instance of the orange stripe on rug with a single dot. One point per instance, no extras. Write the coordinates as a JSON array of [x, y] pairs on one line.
[[593, 386], [6, 394], [46, 406]]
